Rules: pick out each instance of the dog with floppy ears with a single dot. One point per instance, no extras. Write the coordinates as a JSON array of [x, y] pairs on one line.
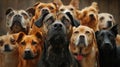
[[83, 46], [8, 51], [17, 21], [30, 48]]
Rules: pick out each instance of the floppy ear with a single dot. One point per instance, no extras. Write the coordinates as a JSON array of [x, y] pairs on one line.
[[58, 3], [8, 11], [75, 3], [75, 22], [31, 11], [114, 29], [20, 36]]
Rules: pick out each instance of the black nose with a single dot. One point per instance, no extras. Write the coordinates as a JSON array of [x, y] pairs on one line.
[[7, 48], [109, 23], [17, 16], [82, 41], [91, 16], [27, 52], [57, 26], [28, 55], [44, 11]]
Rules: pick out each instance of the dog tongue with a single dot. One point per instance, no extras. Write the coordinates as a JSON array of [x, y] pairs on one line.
[[79, 57]]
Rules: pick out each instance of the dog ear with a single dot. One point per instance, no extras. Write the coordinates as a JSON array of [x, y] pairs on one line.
[[58, 3], [74, 22], [20, 36], [36, 4], [31, 11], [8, 11], [75, 3], [114, 29], [39, 35], [95, 5]]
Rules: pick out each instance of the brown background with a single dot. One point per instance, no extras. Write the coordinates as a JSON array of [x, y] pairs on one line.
[[110, 6]]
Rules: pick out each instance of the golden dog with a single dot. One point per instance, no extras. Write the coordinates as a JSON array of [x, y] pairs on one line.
[[30, 49], [89, 16], [8, 51], [83, 46]]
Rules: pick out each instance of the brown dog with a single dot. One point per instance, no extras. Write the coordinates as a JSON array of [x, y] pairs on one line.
[[39, 8], [89, 16], [8, 51], [83, 46], [71, 8], [17, 21], [30, 49]]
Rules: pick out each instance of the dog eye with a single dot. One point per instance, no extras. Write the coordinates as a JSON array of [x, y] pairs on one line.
[[34, 43], [13, 41], [40, 7], [110, 17], [76, 32], [23, 43], [1, 43], [25, 15], [51, 8], [101, 18], [11, 14], [87, 32], [71, 9], [61, 9]]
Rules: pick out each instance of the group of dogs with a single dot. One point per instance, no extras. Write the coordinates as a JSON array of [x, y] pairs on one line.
[[58, 35]]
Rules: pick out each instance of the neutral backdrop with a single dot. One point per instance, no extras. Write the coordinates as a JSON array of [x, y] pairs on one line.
[[109, 6]]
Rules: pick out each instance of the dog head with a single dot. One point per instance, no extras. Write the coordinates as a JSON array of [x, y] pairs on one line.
[[17, 20], [39, 8], [71, 8], [89, 15], [82, 41], [30, 46], [106, 21], [8, 43], [106, 39]]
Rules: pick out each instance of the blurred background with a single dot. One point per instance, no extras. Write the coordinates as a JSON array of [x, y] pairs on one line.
[[109, 6]]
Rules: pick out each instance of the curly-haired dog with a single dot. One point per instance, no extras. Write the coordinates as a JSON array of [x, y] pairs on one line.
[[56, 52], [30, 48], [83, 46], [8, 51], [89, 16], [17, 21]]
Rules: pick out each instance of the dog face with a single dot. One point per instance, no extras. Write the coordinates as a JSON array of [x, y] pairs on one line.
[[30, 46], [106, 21], [82, 41], [89, 15], [71, 8], [106, 39], [17, 20], [8, 44]]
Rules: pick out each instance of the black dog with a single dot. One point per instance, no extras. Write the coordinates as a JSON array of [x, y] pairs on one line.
[[56, 52], [107, 47]]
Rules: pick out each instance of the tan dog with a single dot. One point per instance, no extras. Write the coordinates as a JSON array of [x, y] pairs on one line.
[[39, 8], [8, 51], [106, 21], [83, 46], [71, 8], [89, 16], [30, 49], [17, 21]]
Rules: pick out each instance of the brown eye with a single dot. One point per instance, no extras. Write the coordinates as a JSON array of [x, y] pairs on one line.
[[87, 32], [76, 32], [40, 7], [11, 14], [12, 41], [23, 43], [71, 9], [110, 17], [34, 43], [61, 9], [1, 42], [51, 8], [101, 18], [25, 15]]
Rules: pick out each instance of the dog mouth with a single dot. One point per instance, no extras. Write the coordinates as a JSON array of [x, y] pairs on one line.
[[78, 56]]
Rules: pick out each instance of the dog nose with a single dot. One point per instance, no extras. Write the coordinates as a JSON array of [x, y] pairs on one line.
[[45, 11], [109, 23], [27, 52], [91, 16], [7, 48], [82, 40], [57, 26], [17, 16]]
